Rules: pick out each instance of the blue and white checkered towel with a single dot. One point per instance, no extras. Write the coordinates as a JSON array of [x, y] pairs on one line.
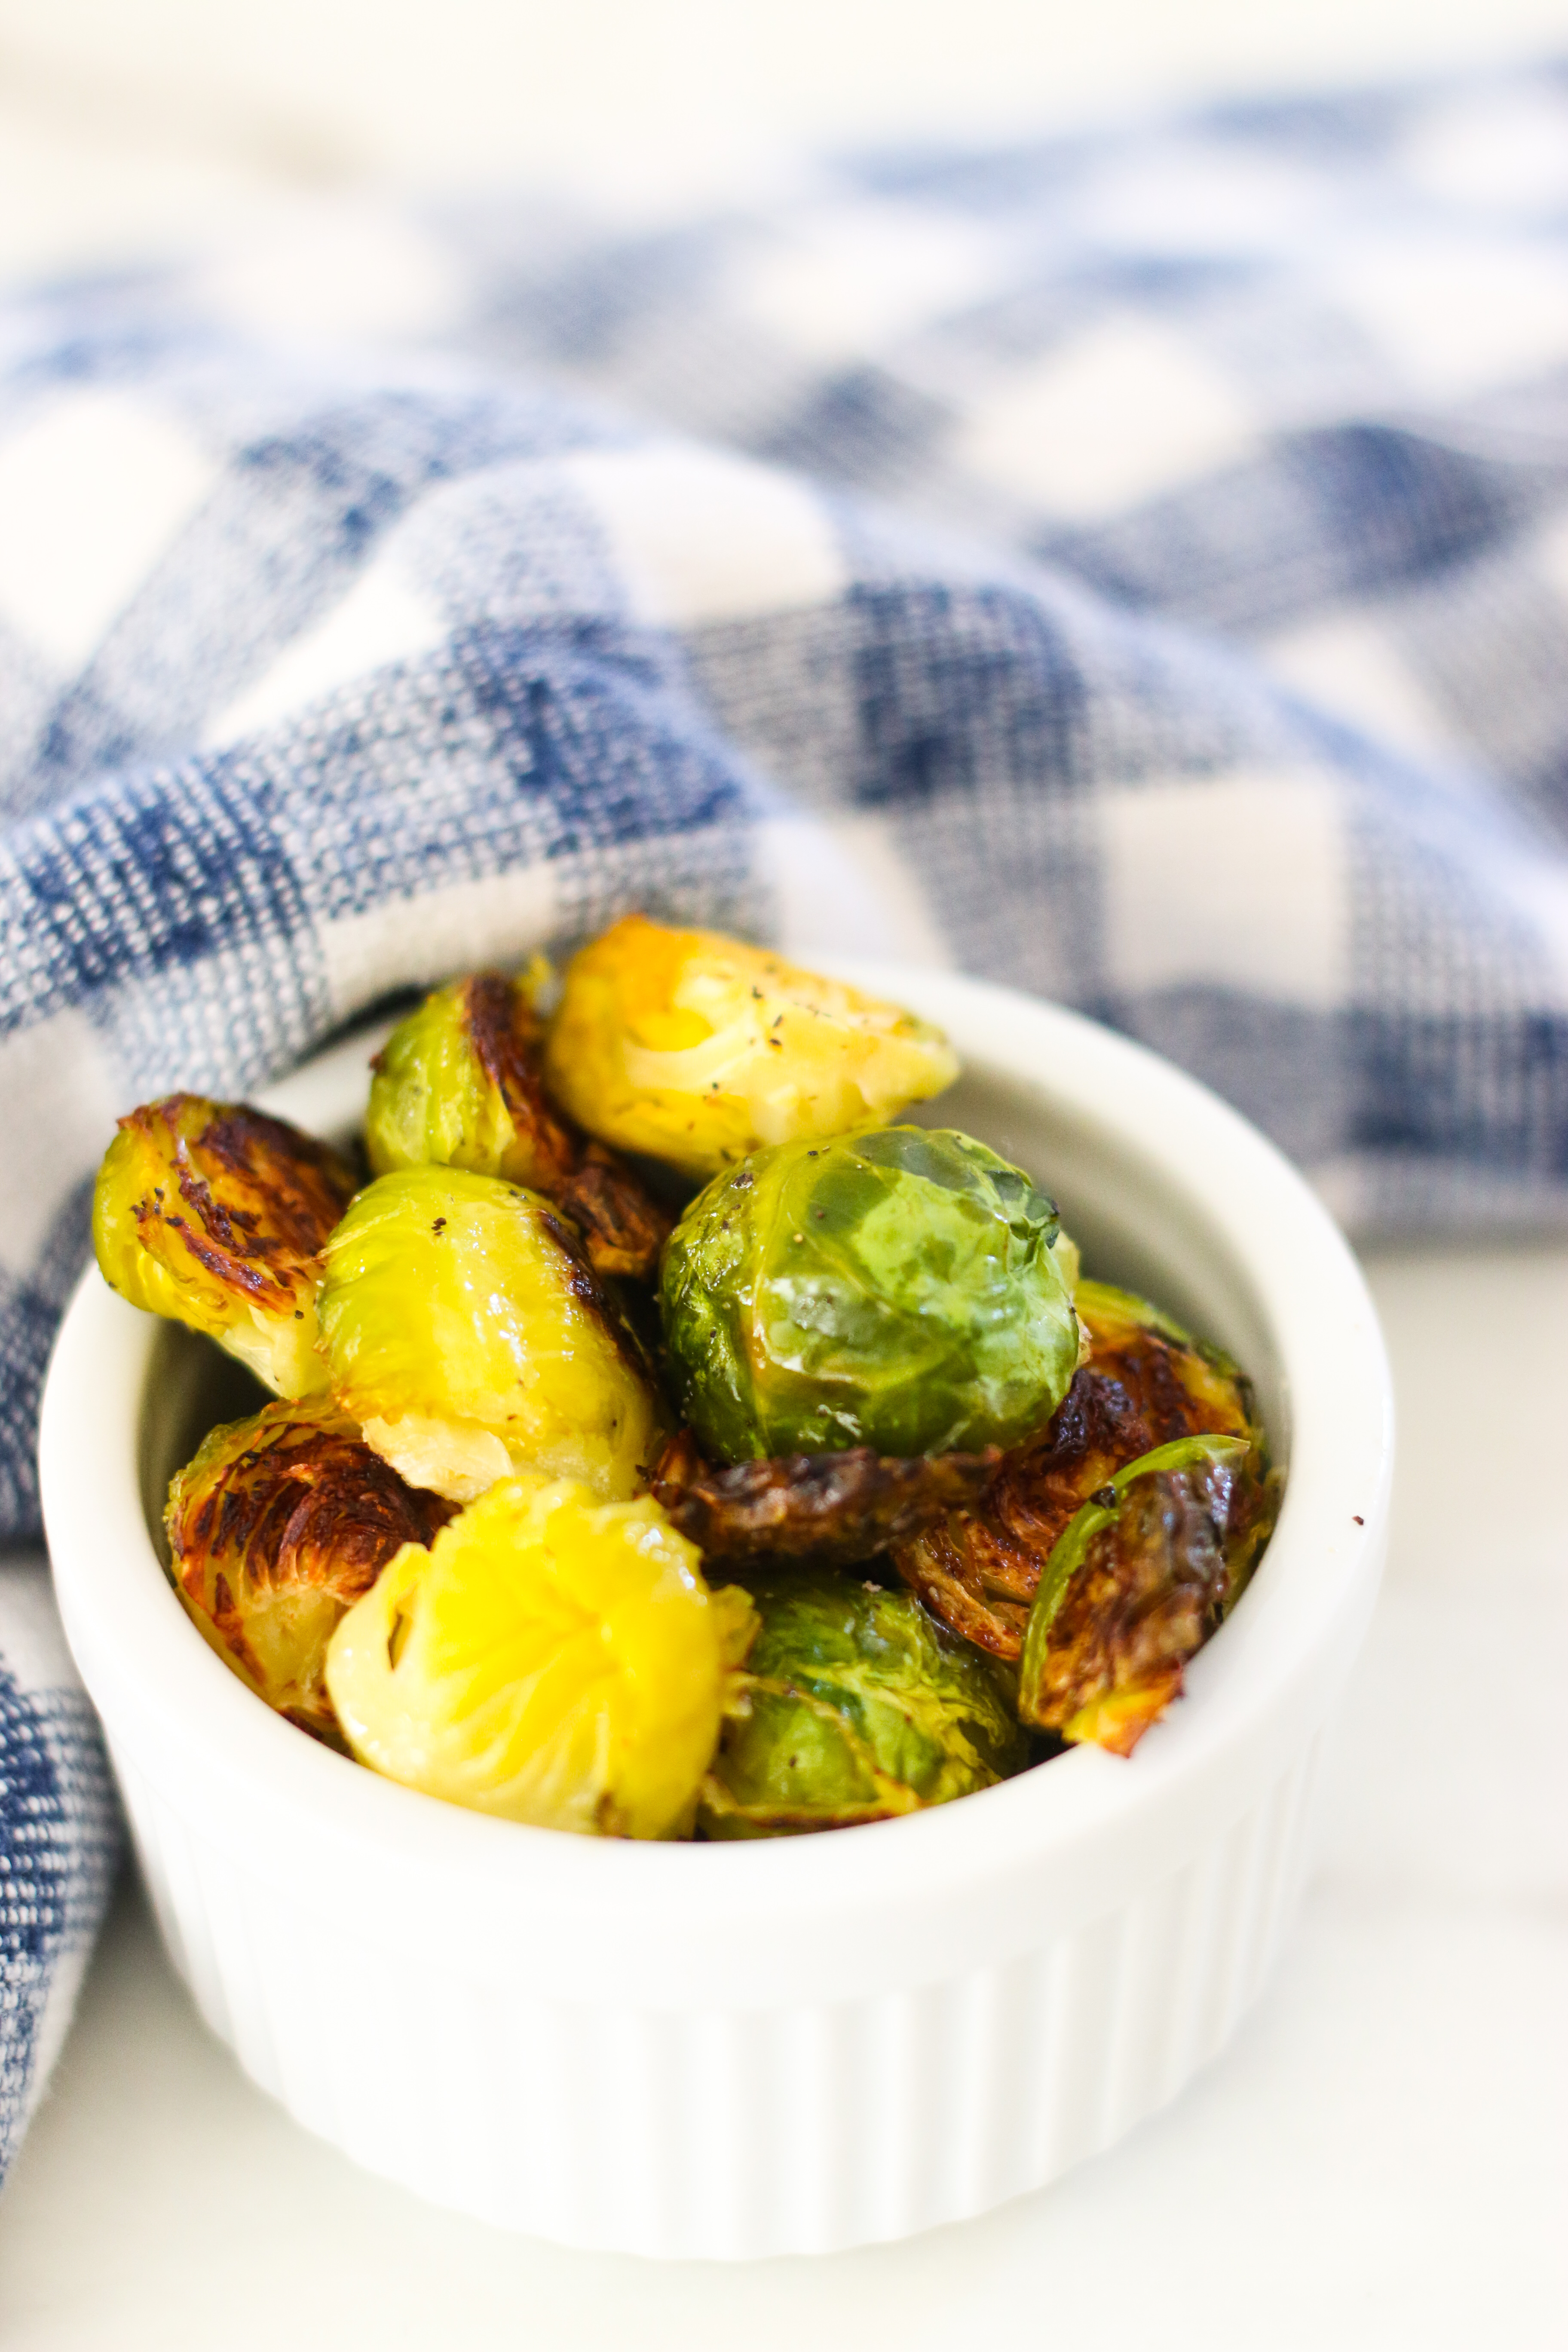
[[1136, 568]]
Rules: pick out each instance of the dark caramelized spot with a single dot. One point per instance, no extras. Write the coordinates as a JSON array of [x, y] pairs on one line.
[[304, 1514], [508, 1039], [316, 1506], [1151, 1588], [581, 1281], [837, 1506], [978, 1572], [623, 1226], [258, 1197]]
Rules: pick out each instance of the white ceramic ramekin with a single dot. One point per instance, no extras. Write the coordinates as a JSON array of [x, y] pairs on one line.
[[815, 2042]]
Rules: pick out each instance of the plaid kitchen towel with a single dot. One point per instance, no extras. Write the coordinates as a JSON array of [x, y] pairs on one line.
[[1134, 567]]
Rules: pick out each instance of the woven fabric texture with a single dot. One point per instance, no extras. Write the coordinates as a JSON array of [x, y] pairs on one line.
[[1132, 567]]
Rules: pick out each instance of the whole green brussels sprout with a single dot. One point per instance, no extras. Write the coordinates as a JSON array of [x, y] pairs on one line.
[[897, 1288], [471, 1341], [854, 1707]]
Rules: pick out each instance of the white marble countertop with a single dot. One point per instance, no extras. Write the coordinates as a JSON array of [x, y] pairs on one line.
[[1379, 2160]]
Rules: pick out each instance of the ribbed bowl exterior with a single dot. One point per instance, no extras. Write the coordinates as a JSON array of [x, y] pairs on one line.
[[730, 2133], [781, 2046]]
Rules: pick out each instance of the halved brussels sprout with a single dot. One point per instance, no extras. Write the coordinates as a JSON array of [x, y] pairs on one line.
[[279, 1524], [826, 1506], [551, 1658], [854, 1707], [469, 1339], [895, 1288], [1145, 1384], [1140, 1578], [458, 1083], [1177, 1384], [215, 1216], [700, 1049]]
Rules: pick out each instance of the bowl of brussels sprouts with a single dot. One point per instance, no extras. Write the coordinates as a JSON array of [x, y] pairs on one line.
[[714, 1589]]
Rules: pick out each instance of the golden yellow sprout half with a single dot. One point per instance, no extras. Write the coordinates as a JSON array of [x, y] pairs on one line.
[[216, 1214], [471, 1341], [551, 1658], [698, 1049]]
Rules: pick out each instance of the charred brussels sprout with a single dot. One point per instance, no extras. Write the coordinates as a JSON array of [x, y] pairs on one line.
[[459, 1083], [214, 1214], [1178, 1385], [823, 1506], [1145, 1382], [700, 1049], [1143, 1575], [280, 1524], [896, 1289], [551, 1658], [469, 1339], [854, 1707]]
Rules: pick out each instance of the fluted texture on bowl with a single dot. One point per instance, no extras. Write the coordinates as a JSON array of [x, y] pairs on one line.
[[726, 2132]]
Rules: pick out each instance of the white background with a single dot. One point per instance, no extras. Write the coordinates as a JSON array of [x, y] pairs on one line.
[[1379, 2160], [121, 118]]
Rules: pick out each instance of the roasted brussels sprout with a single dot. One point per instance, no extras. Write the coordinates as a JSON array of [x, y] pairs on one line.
[[1143, 1575], [1145, 1384], [215, 1216], [1178, 1385], [459, 1083], [826, 1506], [469, 1339], [551, 1658], [895, 1288], [854, 1707], [280, 1524], [698, 1049]]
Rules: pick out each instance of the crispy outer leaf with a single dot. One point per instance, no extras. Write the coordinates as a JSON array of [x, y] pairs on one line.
[[1136, 1585], [846, 1507], [1146, 1382], [216, 1215], [280, 1523]]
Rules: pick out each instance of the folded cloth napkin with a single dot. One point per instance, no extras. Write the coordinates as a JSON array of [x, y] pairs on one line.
[[59, 1838], [1134, 567]]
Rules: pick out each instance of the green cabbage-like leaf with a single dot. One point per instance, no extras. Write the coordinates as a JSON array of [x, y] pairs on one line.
[[857, 1708], [896, 1289]]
